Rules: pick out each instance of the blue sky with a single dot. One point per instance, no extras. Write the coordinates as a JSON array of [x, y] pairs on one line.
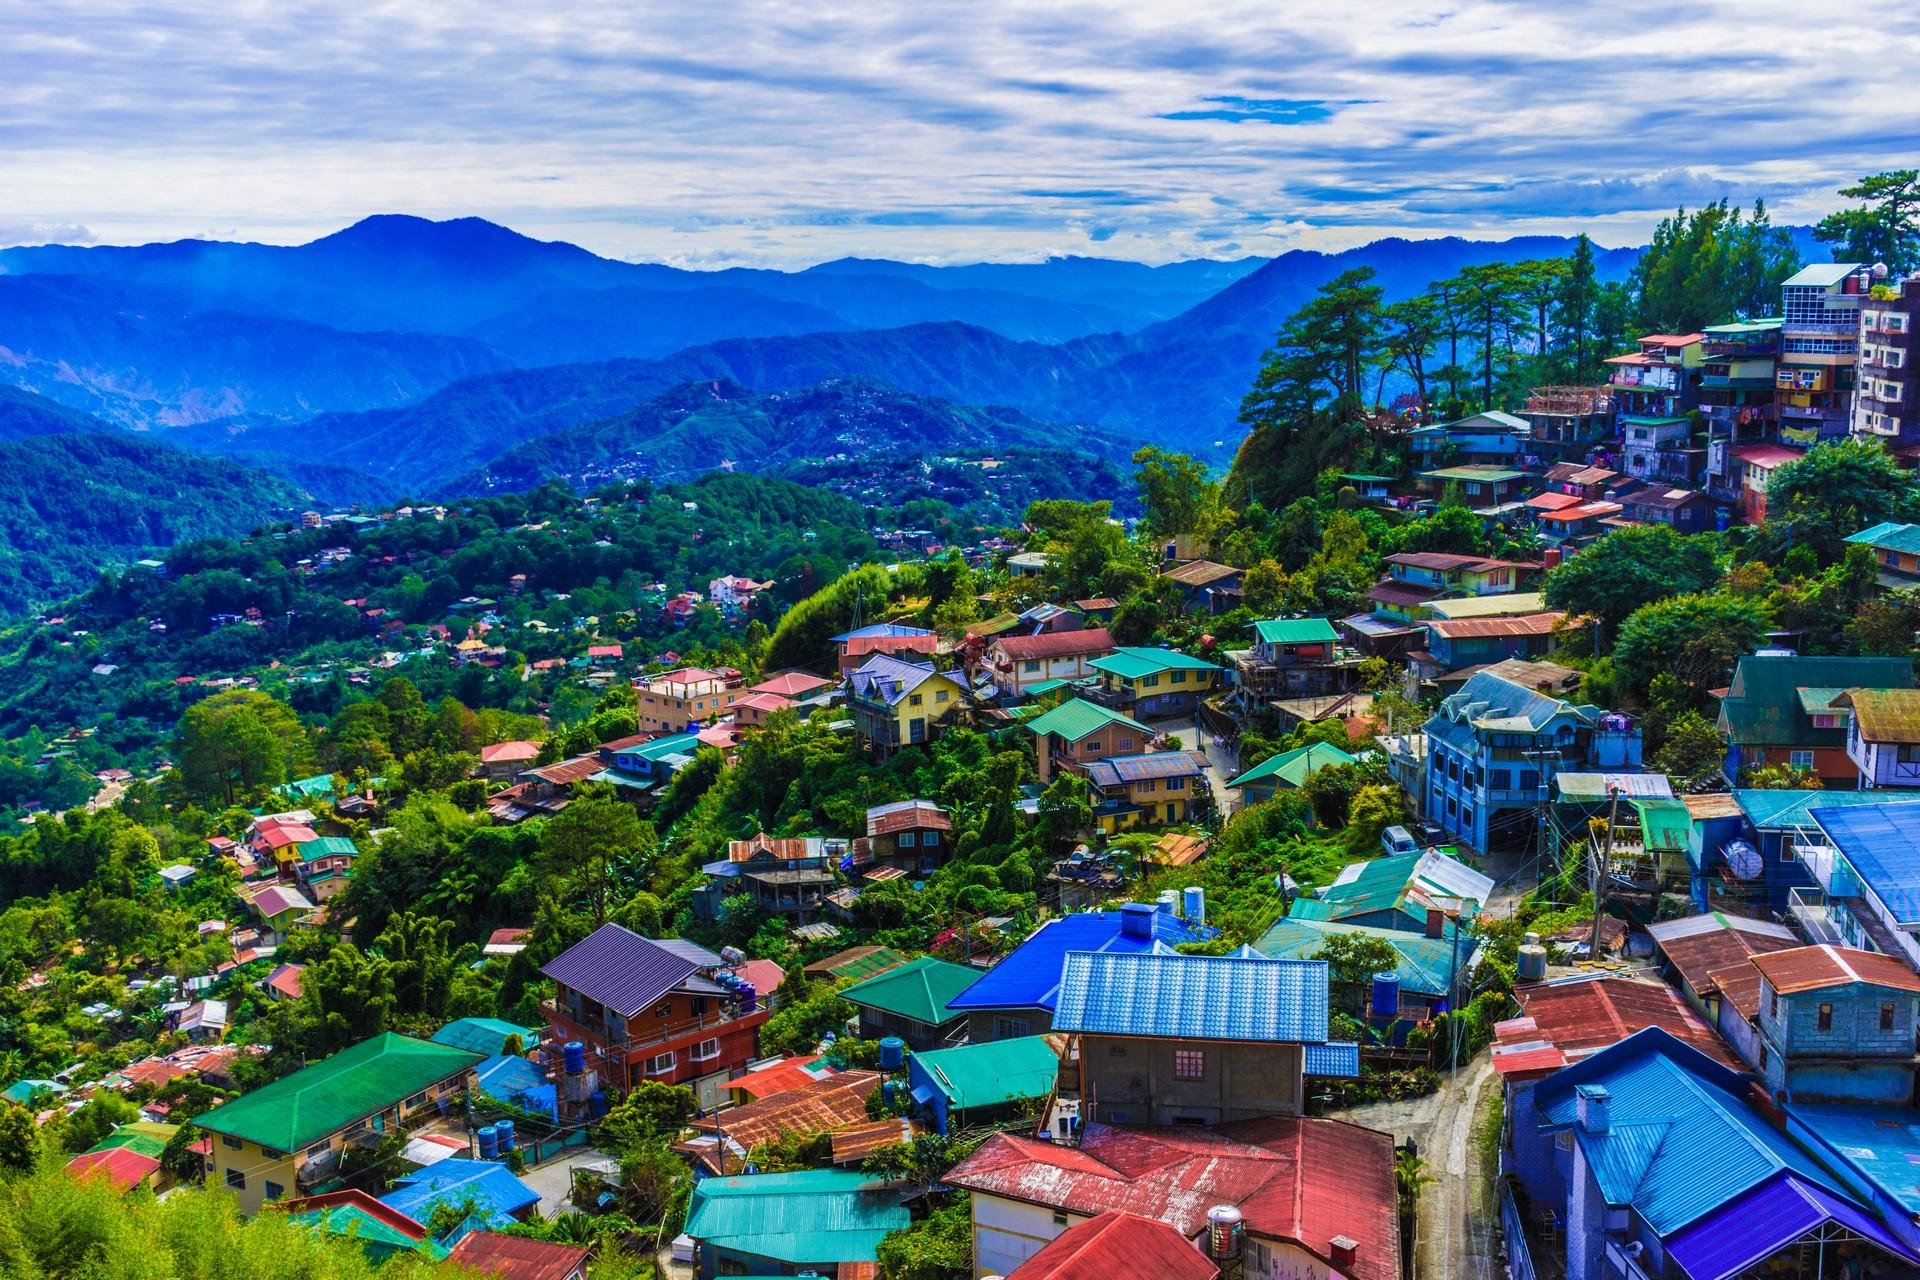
[[783, 134]]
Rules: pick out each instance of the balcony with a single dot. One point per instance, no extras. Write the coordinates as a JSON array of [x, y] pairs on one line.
[[1808, 907], [595, 1032]]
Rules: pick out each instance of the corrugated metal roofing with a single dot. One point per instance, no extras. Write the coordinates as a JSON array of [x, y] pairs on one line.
[[1130, 663], [816, 1216], [1884, 715], [1336, 1059], [496, 1194], [1881, 1143], [1119, 770], [907, 815], [1495, 606], [1890, 535], [488, 1253], [993, 1073], [1075, 718], [1697, 945], [1174, 996], [1406, 883], [1425, 965], [1599, 786], [1295, 631], [1882, 845], [1786, 810], [1767, 1219], [1819, 967], [888, 679], [818, 1105], [1028, 977], [1582, 1016], [483, 1036], [1762, 706], [921, 989], [1200, 573], [1296, 766], [620, 969], [1118, 1246], [1820, 275], [1528, 624], [298, 1110]]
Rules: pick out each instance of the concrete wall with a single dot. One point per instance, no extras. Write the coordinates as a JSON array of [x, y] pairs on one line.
[[1853, 1059], [983, 1024], [1132, 1081]]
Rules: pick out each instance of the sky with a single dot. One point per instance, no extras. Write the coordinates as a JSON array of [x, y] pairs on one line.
[[725, 133]]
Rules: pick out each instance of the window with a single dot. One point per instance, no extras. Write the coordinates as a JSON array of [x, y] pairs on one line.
[[914, 700], [1031, 665], [1189, 1064], [231, 1142], [1800, 759], [697, 1005], [663, 1009], [939, 695], [1886, 1017], [417, 1100], [1177, 677], [1123, 745], [1826, 1016], [1773, 1004], [273, 1189], [1091, 746], [908, 839], [660, 1064], [1150, 682], [317, 1150], [706, 1050], [237, 1180], [1009, 1028], [1059, 1217]]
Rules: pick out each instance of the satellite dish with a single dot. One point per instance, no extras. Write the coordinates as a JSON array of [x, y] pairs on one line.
[[1743, 860]]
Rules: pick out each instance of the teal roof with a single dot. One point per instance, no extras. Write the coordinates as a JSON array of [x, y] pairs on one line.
[[1658, 422], [987, 1075], [1785, 810], [378, 1236], [1295, 631], [325, 1097], [918, 989], [1407, 883], [1075, 718], [1890, 535], [328, 847], [1296, 766], [816, 1216], [318, 786], [1762, 707], [24, 1091], [1130, 663], [1766, 324], [1425, 965], [483, 1035], [1664, 824]]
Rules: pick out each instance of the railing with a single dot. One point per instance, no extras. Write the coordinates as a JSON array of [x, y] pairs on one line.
[[1519, 1256], [558, 1016], [1623, 1259], [1808, 907]]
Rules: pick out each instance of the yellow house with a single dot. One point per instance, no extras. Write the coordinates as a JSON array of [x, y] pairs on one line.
[[1158, 789], [286, 1138], [898, 704], [1155, 683]]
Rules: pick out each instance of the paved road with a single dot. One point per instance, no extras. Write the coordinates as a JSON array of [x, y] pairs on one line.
[[1222, 761], [554, 1179]]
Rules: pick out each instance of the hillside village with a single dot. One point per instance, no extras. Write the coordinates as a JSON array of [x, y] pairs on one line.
[[1496, 852]]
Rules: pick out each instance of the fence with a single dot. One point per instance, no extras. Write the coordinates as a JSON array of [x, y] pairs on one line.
[[1519, 1257]]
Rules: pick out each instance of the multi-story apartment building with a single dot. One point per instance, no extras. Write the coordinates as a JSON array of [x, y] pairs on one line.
[[1568, 423], [690, 697], [1660, 379], [1819, 345], [1737, 364], [1662, 451], [1886, 402]]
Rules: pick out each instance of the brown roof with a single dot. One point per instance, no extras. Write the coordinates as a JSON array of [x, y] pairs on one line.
[[1055, 644], [852, 955], [1719, 805], [1387, 591], [516, 1257], [1739, 985], [1098, 602], [1696, 955], [1441, 561], [1178, 849], [1589, 1015], [1526, 624], [819, 1106], [1815, 968], [785, 848], [1665, 499], [1884, 715], [568, 772], [1200, 573], [862, 1140], [920, 815], [862, 645]]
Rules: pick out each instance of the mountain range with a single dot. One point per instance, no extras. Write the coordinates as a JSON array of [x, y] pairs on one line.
[[402, 355]]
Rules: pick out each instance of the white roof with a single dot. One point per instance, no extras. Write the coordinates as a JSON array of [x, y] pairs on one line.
[[1821, 274], [1714, 921]]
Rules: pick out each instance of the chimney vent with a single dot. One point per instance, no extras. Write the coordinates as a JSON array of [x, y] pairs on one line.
[[1436, 922], [1342, 1249], [1595, 1106]]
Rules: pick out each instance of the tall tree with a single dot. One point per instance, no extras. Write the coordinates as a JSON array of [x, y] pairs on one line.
[[1575, 303], [236, 742], [1174, 491], [1490, 296], [1712, 265], [1413, 327], [1886, 229]]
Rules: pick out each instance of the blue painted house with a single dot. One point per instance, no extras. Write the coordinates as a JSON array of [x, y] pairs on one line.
[[980, 1083], [1837, 1025], [1494, 747]]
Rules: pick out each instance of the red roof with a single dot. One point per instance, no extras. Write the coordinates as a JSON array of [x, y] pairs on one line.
[[792, 684], [767, 702], [1587, 1015], [1118, 1246], [518, 1258], [1055, 644], [789, 1073], [286, 980], [1766, 456], [276, 835], [859, 646], [1298, 1179], [603, 651], [917, 815], [123, 1165], [765, 975], [509, 752], [1554, 501], [1526, 624]]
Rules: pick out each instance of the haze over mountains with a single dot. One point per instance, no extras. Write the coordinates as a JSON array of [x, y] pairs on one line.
[[405, 356]]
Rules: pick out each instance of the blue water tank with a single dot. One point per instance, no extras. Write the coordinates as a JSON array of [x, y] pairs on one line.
[[574, 1055], [503, 1135], [1386, 995], [597, 1103], [489, 1143], [1195, 899], [893, 1053], [892, 1094]]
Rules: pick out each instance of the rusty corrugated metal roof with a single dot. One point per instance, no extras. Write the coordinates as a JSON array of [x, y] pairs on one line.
[[1814, 968]]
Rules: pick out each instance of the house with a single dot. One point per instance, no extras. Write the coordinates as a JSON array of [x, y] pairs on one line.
[[1756, 464], [1415, 579], [124, 1167], [283, 983], [1488, 439], [1160, 788], [1015, 663], [1779, 828], [640, 767], [852, 648], [1118, 1246], [912, 1002], [818, 1220], [501, 761], [1287, 771], [1016, 997], [1077, 732], [1708, 954], [797, 685], [751, 712], [1883, 735], [853, 964], [975, 1084], [1291, 658], [324, 864], [1584, 481], [1492, 493], [486, 1189], [1427, 969], [684, 700], [1873, 1150], [913, 835], [1157, 1037], [202, 1021], [1896, 549], [1154, 684], [1737, 365], [1887, 389], [485, 1036], [544, 791], [1205, 586], [1494, 747], [1682, 510], [1660, 378], [1779, 711], [177, 875], [1577, 524], [504, 1257], [281, 907], [1411, 892], [1669, 1172], [897, 704], [825, 1103], [1467, 642], [779, 1077], [1660, 451], [735, 592], [1568, 423], [1837, 1025], [647, 1010], [788, 876], [287, 1137], [1316, 1196]]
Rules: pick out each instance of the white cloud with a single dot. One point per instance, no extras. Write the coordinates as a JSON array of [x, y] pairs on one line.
[[732, 131]]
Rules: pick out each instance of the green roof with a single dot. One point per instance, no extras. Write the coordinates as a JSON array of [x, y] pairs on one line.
[[1657, 422], [148, 1138], [1132, 663], [1425, 965], [918, 989], [327, 847], [1492, 475], [987, 1075], [879, 960], [1361, 475], [1817, 700], [1664, 824], [378, 1236], [324, 1098], [1763, 709], [1075, 718], [25, 1091], [815, 1216], [1296, 766], [1890, 535], [483, 1036], [319, 785], [1764, 325], [1295, 631]]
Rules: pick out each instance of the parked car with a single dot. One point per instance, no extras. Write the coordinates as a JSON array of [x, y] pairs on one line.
[[1398, 840]]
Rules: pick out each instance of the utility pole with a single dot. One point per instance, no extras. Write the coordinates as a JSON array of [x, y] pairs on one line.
[[1602, 871]]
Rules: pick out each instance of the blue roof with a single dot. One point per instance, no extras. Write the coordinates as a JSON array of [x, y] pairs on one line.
[[1172, 996], [1493, 703], [620, 969], [888, 678], [1339, 1059], [1881, 1144], [891, 630], [503, 1077], [1882, 845], [1785, 810], [495, 1192], [1028, 977], [483, 1035], [1681, 1142], [1765, 1220]]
